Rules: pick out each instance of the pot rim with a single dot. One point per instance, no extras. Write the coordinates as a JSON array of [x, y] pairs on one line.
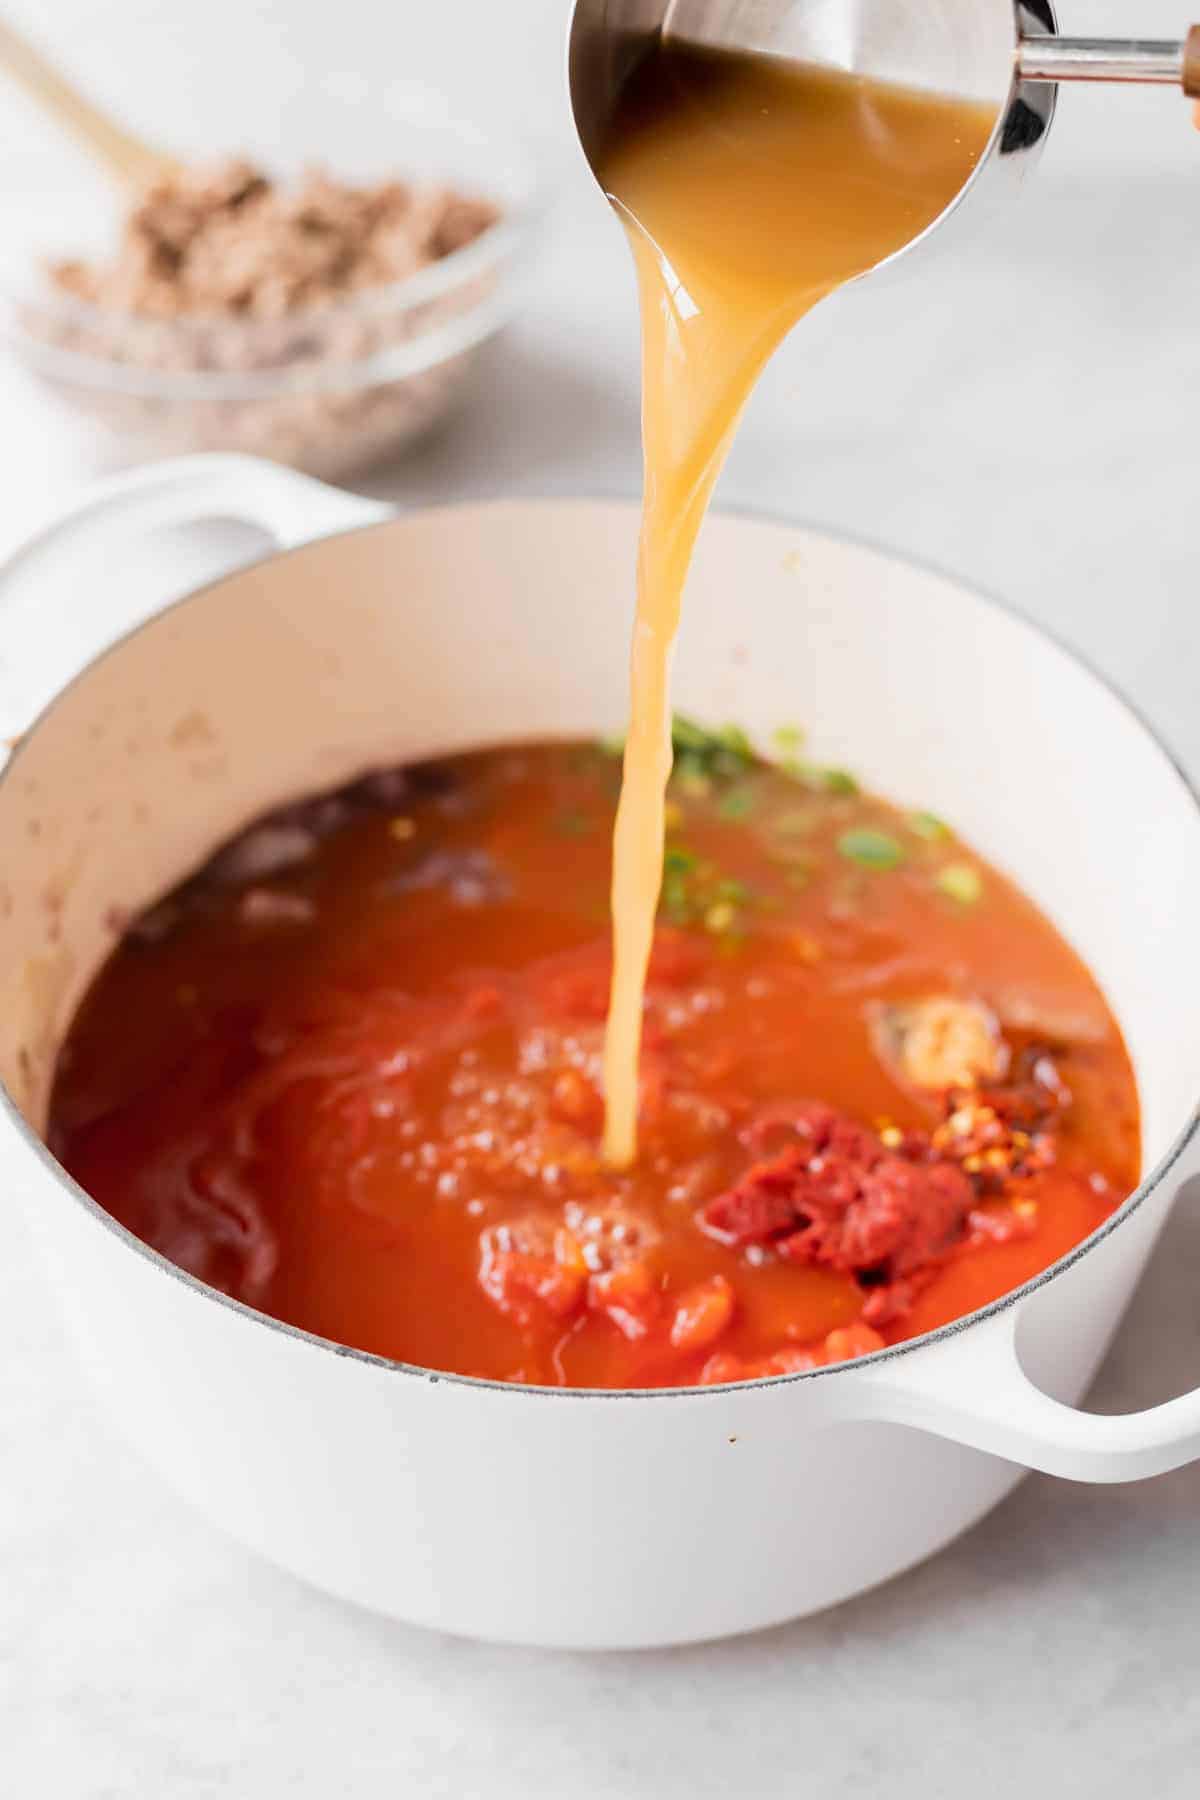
[[12, 1117]]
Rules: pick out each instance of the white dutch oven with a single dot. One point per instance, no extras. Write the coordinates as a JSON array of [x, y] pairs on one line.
[[580, 1519]]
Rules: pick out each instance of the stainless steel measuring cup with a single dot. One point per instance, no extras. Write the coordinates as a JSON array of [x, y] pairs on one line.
[[1002, 51]]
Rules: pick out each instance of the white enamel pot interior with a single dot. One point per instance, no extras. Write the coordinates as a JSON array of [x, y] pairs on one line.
[[574, 1519]]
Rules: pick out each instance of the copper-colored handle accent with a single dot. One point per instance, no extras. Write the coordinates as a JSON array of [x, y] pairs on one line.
[[1191, 63]]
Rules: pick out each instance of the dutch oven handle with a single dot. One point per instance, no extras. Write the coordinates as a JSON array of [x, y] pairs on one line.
[[970, 1387], [46, 582]]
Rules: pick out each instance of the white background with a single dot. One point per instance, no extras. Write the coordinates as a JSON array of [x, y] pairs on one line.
[[1025, 413]]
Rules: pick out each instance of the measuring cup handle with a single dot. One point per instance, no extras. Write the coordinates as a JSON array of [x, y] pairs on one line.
[[1191, 66], [1163, 61]]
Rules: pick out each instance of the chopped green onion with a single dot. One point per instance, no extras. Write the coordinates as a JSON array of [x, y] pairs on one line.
[[837, 781], [961, 882], [734, 739], [725, 752], [720, 917], [787, 739], [727, 764], [735, 891], [692, 779], [821, 780], [873, 849], [687, 735], [927, 825], [678, 861], [675, 901], [738, 803]]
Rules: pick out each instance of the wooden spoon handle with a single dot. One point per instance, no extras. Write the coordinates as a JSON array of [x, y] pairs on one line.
[[126, 157]]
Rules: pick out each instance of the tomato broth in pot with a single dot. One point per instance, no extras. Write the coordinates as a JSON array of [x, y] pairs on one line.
[[351, 1073]]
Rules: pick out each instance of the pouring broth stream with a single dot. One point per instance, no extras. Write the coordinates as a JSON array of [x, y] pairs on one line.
[[750, 190]]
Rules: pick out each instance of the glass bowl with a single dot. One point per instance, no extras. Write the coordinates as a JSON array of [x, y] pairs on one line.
[[328, 389]]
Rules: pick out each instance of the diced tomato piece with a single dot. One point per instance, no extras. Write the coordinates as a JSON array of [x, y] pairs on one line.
[[579, 993], [574, 1100], [630, 1296], [789, 1362], [723, 1367], [702, 1313], [527, 1288], [851, 1341], [568, 1252]]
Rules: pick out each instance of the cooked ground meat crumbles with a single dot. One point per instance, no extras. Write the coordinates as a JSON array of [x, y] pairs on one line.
[[226, 239]]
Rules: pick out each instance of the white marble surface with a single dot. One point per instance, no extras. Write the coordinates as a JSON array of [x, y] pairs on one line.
[[1025, 415]]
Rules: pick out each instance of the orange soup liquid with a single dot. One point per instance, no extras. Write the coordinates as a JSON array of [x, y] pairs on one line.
[[361, 1092], [750, 190]]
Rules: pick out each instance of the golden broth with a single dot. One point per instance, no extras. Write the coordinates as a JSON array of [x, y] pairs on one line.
[[750, 190]]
